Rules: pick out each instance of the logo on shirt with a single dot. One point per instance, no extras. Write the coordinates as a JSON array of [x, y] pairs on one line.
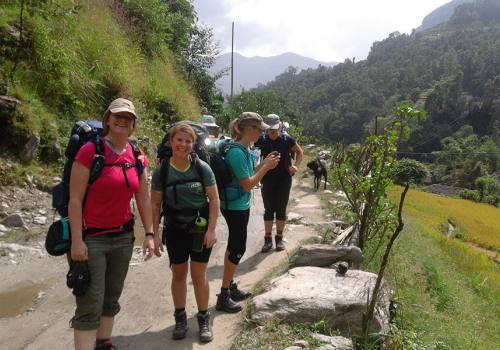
[[195, 187]]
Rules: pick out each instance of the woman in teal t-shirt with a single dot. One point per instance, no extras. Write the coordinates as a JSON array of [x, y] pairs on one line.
[[187, 191], [246, 129]]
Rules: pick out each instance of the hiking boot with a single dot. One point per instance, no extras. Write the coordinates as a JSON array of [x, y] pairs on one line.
[[237, 294], [279, 243], [225, 303], [181, 326], [205, 329], [107, 345], [268, 244]]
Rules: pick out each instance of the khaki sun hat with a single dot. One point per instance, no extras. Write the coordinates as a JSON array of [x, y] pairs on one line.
[[252, 118], [121, 105]]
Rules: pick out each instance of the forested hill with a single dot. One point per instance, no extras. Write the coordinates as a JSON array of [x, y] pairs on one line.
[[452, 70], [66, 60]]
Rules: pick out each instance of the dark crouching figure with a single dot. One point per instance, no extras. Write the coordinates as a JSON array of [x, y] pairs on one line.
[[318, 166]]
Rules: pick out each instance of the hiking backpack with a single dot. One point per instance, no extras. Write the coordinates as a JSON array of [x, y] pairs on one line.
[[82, 132]]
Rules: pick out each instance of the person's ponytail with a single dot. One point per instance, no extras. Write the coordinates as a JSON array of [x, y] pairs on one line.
[[235, 130]]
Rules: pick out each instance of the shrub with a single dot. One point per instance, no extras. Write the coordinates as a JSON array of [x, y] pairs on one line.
[[471, 195], [492, 199]]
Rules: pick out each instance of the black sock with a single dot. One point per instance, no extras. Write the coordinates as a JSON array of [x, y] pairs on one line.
[[178, 311], [224, 290], [202, 312]]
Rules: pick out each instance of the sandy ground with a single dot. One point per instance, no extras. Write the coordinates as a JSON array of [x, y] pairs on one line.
[[37, 286]]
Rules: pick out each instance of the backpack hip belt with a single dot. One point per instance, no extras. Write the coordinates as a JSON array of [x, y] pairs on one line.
[[95, 231]]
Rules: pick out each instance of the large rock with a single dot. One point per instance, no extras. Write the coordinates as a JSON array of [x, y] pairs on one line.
[[30, 148], [309, 294], [8, 103], [336, 342], [324, 255], [14, 220]]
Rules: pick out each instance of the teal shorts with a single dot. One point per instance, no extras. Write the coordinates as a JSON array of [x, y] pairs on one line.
[[109, 258]]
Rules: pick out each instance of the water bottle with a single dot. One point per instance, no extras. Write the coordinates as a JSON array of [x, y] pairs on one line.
[[200, 225], [255, 156]]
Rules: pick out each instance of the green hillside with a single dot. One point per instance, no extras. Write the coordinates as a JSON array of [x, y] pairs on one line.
[[66, 60], [451, 70]]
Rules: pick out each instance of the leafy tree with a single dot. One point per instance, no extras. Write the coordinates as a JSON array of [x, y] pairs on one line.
[[464, 157], [201, 51], [160, 23], [365, 171], [261, 102], [198, 56]]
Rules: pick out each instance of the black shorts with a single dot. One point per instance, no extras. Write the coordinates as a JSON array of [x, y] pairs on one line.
[[275, 192], [179, 243], [237, 222]]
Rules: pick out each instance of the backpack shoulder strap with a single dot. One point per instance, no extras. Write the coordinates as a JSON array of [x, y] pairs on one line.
[[198, 169], [98, 160], [233, 144], [139, 165], [164, 167]]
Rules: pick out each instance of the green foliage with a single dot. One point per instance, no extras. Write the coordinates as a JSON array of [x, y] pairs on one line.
[[364, 171], [276, 335], [160, 23], [487, 191], [74, 58], [401, 339], [471, 195], [201, 51], [464, 157], [261, 102], [409, 171], [437, 288], [487, 186], [265, 103]]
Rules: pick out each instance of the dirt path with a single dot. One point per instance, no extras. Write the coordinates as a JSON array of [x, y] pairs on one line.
[[146, 320]]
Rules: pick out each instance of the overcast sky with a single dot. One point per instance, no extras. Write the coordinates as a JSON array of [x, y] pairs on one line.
[[326, 30]]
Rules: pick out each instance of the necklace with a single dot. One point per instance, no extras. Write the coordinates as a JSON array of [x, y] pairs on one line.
[[114, 149]]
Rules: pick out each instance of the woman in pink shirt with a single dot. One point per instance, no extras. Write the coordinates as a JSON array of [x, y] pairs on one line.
[[102, 222]]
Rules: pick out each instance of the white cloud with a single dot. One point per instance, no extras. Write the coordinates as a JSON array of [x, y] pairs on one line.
[[327, 30]]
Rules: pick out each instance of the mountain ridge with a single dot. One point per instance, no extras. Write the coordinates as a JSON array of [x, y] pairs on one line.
[[257, 70], [441, 14]]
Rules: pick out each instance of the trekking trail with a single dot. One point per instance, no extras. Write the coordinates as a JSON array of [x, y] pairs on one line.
[[146, 320]]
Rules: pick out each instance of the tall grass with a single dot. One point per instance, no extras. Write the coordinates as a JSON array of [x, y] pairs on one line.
[[78, 56], [446, 292]]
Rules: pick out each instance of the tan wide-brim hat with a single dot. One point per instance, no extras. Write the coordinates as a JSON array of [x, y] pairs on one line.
[[252, 118], [121, 105]]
